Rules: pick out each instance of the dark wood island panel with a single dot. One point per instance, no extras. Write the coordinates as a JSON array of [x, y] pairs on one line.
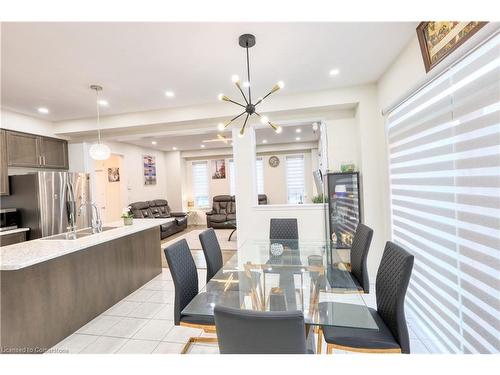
[[44, 303]]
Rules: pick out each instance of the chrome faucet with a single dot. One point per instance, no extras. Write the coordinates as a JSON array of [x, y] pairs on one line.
[[96, 216]]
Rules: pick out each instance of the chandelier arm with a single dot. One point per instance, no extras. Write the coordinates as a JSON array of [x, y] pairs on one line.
[[234, 102], [234, 118], [242, 93], [248, 75], [244, 124], [269, 122], [269, 93]]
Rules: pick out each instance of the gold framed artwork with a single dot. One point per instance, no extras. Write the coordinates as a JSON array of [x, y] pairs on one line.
[[440, 38]]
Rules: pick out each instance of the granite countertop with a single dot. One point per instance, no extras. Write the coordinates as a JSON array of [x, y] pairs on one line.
[[24, 254], [12, 231]]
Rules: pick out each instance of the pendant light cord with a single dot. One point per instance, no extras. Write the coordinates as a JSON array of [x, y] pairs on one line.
[[98, 117]]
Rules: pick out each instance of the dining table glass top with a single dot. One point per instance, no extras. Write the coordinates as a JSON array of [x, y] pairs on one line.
[[284, 275]]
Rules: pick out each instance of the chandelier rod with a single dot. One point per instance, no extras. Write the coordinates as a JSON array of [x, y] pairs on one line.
[[248, 75]]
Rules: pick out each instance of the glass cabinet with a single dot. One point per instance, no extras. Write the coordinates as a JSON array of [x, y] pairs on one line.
[[344, 207]]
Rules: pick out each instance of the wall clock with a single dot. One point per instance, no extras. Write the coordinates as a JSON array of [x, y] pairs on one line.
[[274, 161]]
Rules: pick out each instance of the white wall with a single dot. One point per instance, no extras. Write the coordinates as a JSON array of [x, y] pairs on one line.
[[174, 165], [343, 142], [27, 124], [133, 175], [275, 186], [404, 73]]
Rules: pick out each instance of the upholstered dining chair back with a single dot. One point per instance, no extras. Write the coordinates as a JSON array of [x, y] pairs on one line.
[[359, 255], [183, 270], [284, 229], [393, 277], [258, 332], [212, 252]]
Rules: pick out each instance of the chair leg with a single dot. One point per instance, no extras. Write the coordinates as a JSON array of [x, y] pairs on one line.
[[193, 340], [320, 340]]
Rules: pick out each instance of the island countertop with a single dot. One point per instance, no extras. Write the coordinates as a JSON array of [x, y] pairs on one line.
[[25, 254]]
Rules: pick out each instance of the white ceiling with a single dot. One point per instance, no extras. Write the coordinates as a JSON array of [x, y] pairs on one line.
[[194, 141], [52, 64]]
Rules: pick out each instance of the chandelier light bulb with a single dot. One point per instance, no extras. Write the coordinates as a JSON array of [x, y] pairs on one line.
[[220, 126], [235, 78], [281, 84], [264, 119], [220, 97], [246, 84], [240, 134], [279, 129]]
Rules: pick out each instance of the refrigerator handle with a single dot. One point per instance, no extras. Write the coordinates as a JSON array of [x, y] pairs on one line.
[[70, 206]]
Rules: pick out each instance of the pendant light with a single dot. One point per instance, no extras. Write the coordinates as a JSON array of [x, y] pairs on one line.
[[250, 108], [98, 151]]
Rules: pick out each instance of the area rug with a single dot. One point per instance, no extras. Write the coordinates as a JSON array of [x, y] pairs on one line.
[[228, 247]]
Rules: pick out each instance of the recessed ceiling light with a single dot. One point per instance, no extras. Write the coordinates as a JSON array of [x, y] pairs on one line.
[[264, 141], [174, 148], [169, 94], [298, 130], [43, 110], [154, 142], [103, 103], [334, 72], [202, 146], [297, 138]]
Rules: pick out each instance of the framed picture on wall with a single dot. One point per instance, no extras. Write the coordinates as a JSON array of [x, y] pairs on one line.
[[218, 169], [149, 164], [113, 174], [438, 39]]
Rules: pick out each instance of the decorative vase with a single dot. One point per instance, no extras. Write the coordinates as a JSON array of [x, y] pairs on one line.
[[128, 220]]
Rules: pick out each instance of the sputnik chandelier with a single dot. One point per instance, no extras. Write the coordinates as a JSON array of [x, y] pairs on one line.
[[248, 41]]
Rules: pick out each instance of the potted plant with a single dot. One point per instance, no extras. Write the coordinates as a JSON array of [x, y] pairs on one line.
[[127, 216], [319, 199]]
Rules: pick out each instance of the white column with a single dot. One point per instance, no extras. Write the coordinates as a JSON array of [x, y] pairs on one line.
[[245, 182]]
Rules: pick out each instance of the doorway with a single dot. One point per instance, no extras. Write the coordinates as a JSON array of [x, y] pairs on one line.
[[109, 187]]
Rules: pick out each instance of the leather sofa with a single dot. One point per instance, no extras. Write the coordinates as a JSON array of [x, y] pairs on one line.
[[159, 208], [224, 209]]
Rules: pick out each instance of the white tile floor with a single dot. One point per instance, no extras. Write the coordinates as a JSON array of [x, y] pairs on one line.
[[143, 323]]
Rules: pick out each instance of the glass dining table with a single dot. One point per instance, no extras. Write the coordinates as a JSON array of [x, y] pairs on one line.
[[284, 275]]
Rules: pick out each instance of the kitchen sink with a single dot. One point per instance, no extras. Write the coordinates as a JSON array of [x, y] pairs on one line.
[[78, 234]]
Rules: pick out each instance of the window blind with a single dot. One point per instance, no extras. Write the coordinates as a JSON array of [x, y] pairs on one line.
[[259, 165], [295, 179], [444, 168], [232, 188], [200, 183]]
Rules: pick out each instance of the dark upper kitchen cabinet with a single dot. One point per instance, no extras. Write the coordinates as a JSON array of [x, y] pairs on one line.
[[54, 153], [4, 175], [22, 150], [28, 150]]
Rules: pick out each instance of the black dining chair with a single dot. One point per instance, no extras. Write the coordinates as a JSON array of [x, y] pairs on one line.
[[392, 281], [284, 229], [241, 281], [356, 270], [212, 252], [258, 332], [185, 277]]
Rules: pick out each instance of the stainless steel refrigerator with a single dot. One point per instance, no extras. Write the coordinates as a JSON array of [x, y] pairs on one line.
[[47, 201]]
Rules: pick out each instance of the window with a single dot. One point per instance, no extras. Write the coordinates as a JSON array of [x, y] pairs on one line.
[[200, 183], [232, 188], [259, 165], [295, 179], [444, 158]]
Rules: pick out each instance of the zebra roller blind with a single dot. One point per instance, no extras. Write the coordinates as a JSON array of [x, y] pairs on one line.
[[444, 162]]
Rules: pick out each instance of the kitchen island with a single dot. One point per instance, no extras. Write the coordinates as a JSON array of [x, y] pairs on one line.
[[50, 288]]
